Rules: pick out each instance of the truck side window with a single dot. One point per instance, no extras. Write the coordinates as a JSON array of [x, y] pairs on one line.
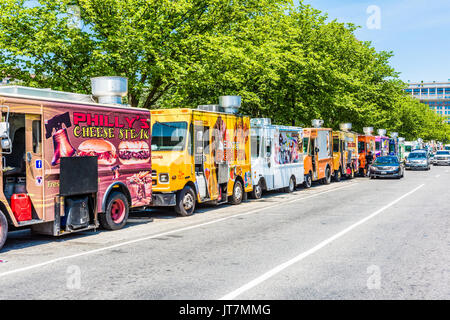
[[305, 145], [190, 140], [255, 146], [37, 138], [336, 145]]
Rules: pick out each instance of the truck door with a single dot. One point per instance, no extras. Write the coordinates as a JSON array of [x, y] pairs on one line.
[[200, 143], [34, 162], [268, 159], [314, 158]]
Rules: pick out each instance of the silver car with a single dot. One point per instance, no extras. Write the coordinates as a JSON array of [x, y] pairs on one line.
[[442, 158], [418, 160]]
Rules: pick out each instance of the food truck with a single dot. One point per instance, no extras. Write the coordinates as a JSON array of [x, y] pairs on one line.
[[200, 155], [345, 152], [318, 154], [394, 144], [70, 163], [276, 157], [401, 149], [366, 144], [381, 143]]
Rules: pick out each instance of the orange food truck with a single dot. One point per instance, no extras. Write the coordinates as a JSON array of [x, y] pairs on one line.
[[345, 152], [200, 155], [366, 143], [318, 154], [69, 163]]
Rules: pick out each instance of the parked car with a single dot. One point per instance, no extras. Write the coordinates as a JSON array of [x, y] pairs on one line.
[[387, 166], [418, 159], [442, 158]]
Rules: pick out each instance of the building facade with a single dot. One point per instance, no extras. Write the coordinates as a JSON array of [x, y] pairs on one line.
[[435, 94]]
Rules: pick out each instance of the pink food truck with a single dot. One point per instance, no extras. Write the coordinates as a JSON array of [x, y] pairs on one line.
[[381, 143], [71, 163]]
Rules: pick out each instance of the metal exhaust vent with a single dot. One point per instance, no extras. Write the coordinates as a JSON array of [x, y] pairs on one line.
[[381, 132], [394, 135], [230, 104], [368, 130], [345, 126], [109, 90], [317, 123]]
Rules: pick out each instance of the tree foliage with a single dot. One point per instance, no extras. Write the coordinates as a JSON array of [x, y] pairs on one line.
[[287, 62]]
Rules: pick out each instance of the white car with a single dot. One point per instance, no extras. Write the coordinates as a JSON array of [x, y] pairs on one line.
[[442, 157]]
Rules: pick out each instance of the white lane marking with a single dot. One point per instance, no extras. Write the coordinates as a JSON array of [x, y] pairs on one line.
[[165, 233], [438, 175], [281, 267]]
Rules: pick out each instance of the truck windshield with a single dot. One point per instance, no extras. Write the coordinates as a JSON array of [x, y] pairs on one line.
[[417, 155], [169, 136]]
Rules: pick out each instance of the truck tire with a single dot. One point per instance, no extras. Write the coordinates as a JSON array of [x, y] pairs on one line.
[[257, 191], [3, 229], [117, 210], [291, 187], [327, 179], [308, 181], [238, 193], [186, 201]]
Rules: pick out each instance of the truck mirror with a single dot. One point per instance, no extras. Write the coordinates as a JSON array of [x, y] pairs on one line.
[[4, 130], [316, 150], [6, 143]]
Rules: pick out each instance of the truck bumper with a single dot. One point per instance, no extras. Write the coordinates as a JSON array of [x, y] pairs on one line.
[[164, 199]]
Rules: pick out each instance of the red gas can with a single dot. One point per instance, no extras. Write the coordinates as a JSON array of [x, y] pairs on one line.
[[21, 206]]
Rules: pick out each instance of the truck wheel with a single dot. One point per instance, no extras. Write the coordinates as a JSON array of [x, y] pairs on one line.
[[185, 202], [3, 229], [238, 193], [327, 179], [257, 191], [291, 187], [337, 175], [116, 214], [308, 181]]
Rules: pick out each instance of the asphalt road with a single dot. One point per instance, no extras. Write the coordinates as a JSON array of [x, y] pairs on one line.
[[358, 239]]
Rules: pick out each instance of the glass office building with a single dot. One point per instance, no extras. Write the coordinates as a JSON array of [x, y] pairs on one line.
[[435, 94]]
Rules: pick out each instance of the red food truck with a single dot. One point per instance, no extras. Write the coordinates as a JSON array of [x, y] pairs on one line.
[[71, 163]]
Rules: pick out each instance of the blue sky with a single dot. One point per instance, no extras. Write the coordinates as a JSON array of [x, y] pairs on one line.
[[417, 31]]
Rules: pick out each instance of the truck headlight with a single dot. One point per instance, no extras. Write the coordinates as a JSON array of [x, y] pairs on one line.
[[164, 177]]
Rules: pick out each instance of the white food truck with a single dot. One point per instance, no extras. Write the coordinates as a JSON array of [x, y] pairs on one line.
[[277, 156]]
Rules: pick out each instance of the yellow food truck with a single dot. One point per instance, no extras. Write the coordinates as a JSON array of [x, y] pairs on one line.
[[200, 155], [345, 152]]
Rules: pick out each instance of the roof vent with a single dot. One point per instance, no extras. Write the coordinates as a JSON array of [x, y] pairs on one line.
[[345, 126], [401, 139], [109, 90], [230, 104], [368, 130], [394, 135], [209, 107], [381, 132], [317, 123], [260, 122]]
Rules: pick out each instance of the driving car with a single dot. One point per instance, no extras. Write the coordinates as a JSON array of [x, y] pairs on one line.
[[418, 159], [387, 166], [442, 157]]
